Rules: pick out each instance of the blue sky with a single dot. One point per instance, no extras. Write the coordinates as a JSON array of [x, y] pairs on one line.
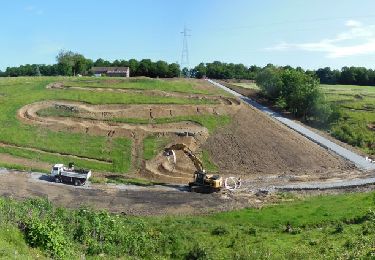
[[306, 33]]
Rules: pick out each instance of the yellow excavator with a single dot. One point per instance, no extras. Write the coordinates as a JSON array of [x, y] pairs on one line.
[[203, 182]]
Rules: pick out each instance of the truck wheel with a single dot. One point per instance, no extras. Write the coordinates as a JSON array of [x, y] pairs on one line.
[[77, 182], [57, 179]]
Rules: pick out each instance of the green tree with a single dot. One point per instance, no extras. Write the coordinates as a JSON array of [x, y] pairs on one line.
[[37, 71], [70, 63], [65, 62], [270, 82], [162, 69], [300, 91], [199, 71], [173, 70]]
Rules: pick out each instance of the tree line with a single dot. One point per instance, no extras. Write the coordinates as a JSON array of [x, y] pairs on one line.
[[347, 76], [70, 64]]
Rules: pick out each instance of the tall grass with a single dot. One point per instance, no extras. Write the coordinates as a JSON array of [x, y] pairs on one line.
[[357, 106], [323, 227]]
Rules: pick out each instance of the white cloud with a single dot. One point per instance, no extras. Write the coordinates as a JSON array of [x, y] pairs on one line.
[[353, 23], [358, 39]]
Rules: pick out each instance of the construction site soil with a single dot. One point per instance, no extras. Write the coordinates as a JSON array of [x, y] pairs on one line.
[[252, 146]]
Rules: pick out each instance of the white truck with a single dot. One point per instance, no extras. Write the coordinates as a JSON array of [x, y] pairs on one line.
[[78, 177]]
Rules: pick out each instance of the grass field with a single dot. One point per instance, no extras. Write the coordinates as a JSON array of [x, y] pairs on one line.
[[17, 92], [175, 85], [247, 85], [358, 108], [322, 227]]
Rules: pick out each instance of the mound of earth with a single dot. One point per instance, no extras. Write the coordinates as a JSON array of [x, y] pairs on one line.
[[254, 145]]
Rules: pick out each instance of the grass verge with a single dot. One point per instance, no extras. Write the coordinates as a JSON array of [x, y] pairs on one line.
[[334, 226]]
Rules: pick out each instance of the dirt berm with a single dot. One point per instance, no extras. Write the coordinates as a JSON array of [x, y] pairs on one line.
[[254, 146]]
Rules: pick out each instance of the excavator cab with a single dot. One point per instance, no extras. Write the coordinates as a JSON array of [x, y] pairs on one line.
[[205, 183]]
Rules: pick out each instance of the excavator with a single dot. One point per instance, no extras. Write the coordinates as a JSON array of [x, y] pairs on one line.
[[203, 182]]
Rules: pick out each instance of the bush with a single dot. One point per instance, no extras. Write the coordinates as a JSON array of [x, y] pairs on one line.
[[198, 253], [339, 228], [47, 235], [219, 231], [252, 231]]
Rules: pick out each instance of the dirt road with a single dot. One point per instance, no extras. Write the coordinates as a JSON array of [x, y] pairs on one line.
[[133, 200]]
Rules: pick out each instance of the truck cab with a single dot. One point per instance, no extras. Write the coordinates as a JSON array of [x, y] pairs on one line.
[[56, 170]]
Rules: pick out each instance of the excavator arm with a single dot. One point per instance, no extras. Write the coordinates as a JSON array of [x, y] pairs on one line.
[[202, 182], [183, 147]]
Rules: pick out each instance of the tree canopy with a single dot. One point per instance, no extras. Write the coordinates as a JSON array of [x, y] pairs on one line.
[[292, 89]]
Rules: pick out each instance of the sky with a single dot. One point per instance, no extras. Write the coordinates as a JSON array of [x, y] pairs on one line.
[[306, 33]]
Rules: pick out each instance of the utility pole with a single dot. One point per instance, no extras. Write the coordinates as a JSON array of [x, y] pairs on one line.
[[185, 51]]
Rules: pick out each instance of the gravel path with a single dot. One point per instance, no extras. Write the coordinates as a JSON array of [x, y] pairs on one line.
[[328, 185], [358, 160]]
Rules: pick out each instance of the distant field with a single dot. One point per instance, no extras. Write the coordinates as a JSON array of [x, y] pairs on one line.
[[110, 154], [247, 85], [357, 126]]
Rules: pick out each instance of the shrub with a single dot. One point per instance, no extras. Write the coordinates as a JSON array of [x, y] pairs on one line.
[[219, 231], [252, 231], [198, 253], [339, 228], [47, 235]]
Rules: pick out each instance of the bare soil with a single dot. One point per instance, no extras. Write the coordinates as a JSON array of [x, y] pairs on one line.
[[254, 146], [132, 200]]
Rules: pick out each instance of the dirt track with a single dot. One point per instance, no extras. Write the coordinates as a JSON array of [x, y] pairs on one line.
[[252, 146], [260, 150], [98, 120]]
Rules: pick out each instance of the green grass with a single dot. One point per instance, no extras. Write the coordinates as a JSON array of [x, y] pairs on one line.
[[211, 122], [21, 167], [207, 162], [17, 92], [184, 86], [247, 85], [323, 227], [14, 246], [152, 145], [53, 158], [357, 104]]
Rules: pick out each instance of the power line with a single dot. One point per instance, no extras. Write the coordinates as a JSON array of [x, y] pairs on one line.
[[185, 50]]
